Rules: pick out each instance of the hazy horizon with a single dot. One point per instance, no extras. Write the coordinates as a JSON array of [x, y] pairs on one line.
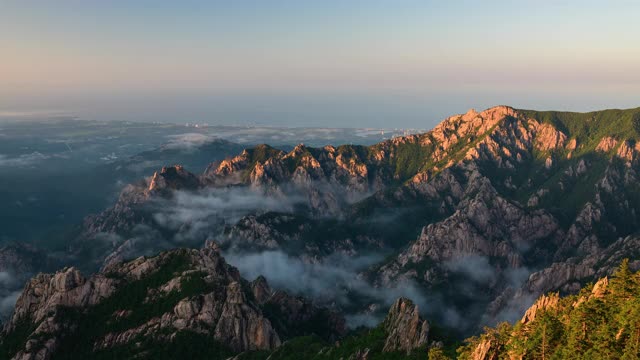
[[330, 64]]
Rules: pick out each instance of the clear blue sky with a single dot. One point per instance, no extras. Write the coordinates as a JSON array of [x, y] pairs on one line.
[[315, 63]]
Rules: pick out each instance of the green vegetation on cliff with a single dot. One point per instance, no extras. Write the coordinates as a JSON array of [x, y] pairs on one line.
[[97, 321], [601, 322], [589, 128]]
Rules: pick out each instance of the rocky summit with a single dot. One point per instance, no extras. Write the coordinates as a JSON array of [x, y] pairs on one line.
[[478, 219]]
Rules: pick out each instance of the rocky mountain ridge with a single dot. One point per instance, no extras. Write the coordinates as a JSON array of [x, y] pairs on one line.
[[158, 299], [511, 192], [183, 298], [503, 205]]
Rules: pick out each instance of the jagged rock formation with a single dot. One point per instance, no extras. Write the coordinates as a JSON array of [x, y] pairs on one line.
[[403, 334], [157, 299], [511, 203], [173, 178], [489, 210], [406, 330], [545, 302], [490, 227]]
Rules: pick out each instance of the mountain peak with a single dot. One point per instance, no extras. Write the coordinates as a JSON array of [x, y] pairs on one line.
[[462, 124], [491, 114], [173, 177], [471, 113]]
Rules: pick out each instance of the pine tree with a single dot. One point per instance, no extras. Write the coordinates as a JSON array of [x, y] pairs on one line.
[[623, 282], [437, 354], [545, 334], [544, 345], [581, 326], [631, 348]]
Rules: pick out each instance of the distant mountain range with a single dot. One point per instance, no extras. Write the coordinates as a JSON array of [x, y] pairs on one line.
[[473, 220]]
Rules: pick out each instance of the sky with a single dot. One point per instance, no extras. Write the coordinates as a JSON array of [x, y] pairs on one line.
[[329, 63]]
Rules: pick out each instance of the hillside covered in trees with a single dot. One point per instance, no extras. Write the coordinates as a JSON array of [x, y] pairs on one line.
[[600, 322]]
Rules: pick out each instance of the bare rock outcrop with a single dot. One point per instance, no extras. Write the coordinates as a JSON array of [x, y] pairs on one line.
[[549, 138], [174, 178], [406, 330], [607, 144], [210, 297], [485, 350], [629, 151], [546, 302]]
